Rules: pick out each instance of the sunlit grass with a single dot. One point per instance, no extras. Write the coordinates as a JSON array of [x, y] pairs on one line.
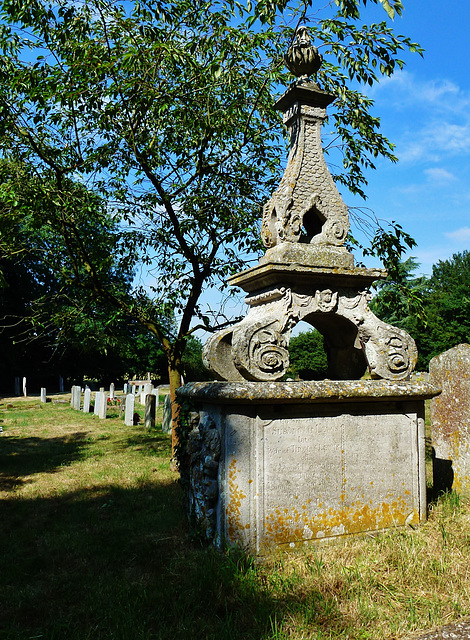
[[94, 545]]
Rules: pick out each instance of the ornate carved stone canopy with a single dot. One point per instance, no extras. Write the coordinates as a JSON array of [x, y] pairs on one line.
[[307, 273]]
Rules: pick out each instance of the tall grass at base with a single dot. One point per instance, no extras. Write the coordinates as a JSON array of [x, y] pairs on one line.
[[93, 545]]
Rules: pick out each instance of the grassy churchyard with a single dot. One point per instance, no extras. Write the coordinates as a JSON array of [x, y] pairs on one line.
[[94, 545]]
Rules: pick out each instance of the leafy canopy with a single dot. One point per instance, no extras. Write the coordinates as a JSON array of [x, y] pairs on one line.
[[165, 112]]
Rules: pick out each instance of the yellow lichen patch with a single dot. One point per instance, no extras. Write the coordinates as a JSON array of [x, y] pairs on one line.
[[286, 526], [234, 503]]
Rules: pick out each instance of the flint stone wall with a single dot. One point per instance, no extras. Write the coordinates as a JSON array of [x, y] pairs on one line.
[[450, 419], [300, 462]]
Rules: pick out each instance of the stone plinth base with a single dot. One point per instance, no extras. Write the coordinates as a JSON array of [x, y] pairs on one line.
[[286, 463]]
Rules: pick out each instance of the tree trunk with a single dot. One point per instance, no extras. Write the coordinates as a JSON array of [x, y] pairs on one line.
[[174, 374]]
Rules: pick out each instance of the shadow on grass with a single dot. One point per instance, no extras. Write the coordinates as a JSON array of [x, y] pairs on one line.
[[117, 564], [20, 457]]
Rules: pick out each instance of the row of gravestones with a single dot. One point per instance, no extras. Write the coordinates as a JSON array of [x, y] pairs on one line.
[[148, 397]]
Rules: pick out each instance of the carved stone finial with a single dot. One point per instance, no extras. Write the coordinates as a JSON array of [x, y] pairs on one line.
[[302, 58]]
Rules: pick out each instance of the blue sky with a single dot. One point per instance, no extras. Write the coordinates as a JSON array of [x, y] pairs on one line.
[[425, 111]]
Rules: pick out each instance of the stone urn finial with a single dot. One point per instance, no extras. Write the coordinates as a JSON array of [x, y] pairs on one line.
[[302, 58]]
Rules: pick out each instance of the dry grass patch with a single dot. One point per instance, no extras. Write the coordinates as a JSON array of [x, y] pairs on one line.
[[94, 546]]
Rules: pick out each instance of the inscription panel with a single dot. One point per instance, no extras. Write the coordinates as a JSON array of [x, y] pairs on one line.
[[338, 474]]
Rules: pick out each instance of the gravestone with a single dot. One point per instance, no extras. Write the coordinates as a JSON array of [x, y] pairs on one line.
[[150, 411], [285, 463], [156, 394], [125, 390], [96, 407], [102, 405], [129, 413], [75, 399], [167, 424], [146, 389], [111, 391], [450, 420], [86, 400], [43, 395], [24, 388]]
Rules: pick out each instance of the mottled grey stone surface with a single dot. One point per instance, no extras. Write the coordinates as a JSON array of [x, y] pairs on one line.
[[307, 274], [300, 462], [305, 392], [450, 419]]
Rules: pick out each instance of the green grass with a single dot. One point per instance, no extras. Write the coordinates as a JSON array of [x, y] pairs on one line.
[[94, 545]]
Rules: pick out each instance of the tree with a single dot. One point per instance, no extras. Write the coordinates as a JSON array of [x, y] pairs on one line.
[[307, 356], [47, 323], [447, 305], [165, 111]]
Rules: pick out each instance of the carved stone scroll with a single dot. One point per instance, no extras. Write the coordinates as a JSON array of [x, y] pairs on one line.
[[259, 343]]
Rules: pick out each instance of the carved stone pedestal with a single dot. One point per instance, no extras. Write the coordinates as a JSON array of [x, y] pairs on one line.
[[287, 463]]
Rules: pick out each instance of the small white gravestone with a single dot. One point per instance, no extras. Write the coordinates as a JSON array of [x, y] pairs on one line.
[[155, 393], [125, 391], [86, 400], [147, 388], [111, 391], [129, 414], [75, 397], [97, 402], [167, 418], [102, 406], [43, 394], [24, 387]]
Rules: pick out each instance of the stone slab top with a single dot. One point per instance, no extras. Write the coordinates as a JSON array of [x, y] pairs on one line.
[[266, 275], [306, 392]]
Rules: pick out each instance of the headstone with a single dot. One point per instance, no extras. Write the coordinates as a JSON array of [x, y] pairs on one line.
[[103, 404], [43, 395], [125, 390], [75, 397], [78, 397], [129, 413], [96, 408], [450, 420], [111, 391], [150, 411], [146, 389], [24, 388], [155, 393], [86, 400], [167, 423]]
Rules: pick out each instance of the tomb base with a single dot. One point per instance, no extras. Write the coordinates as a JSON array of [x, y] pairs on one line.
[[288, 463]]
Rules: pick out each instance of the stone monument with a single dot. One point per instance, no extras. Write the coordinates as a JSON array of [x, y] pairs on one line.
[[272, 462], [450, 420]]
